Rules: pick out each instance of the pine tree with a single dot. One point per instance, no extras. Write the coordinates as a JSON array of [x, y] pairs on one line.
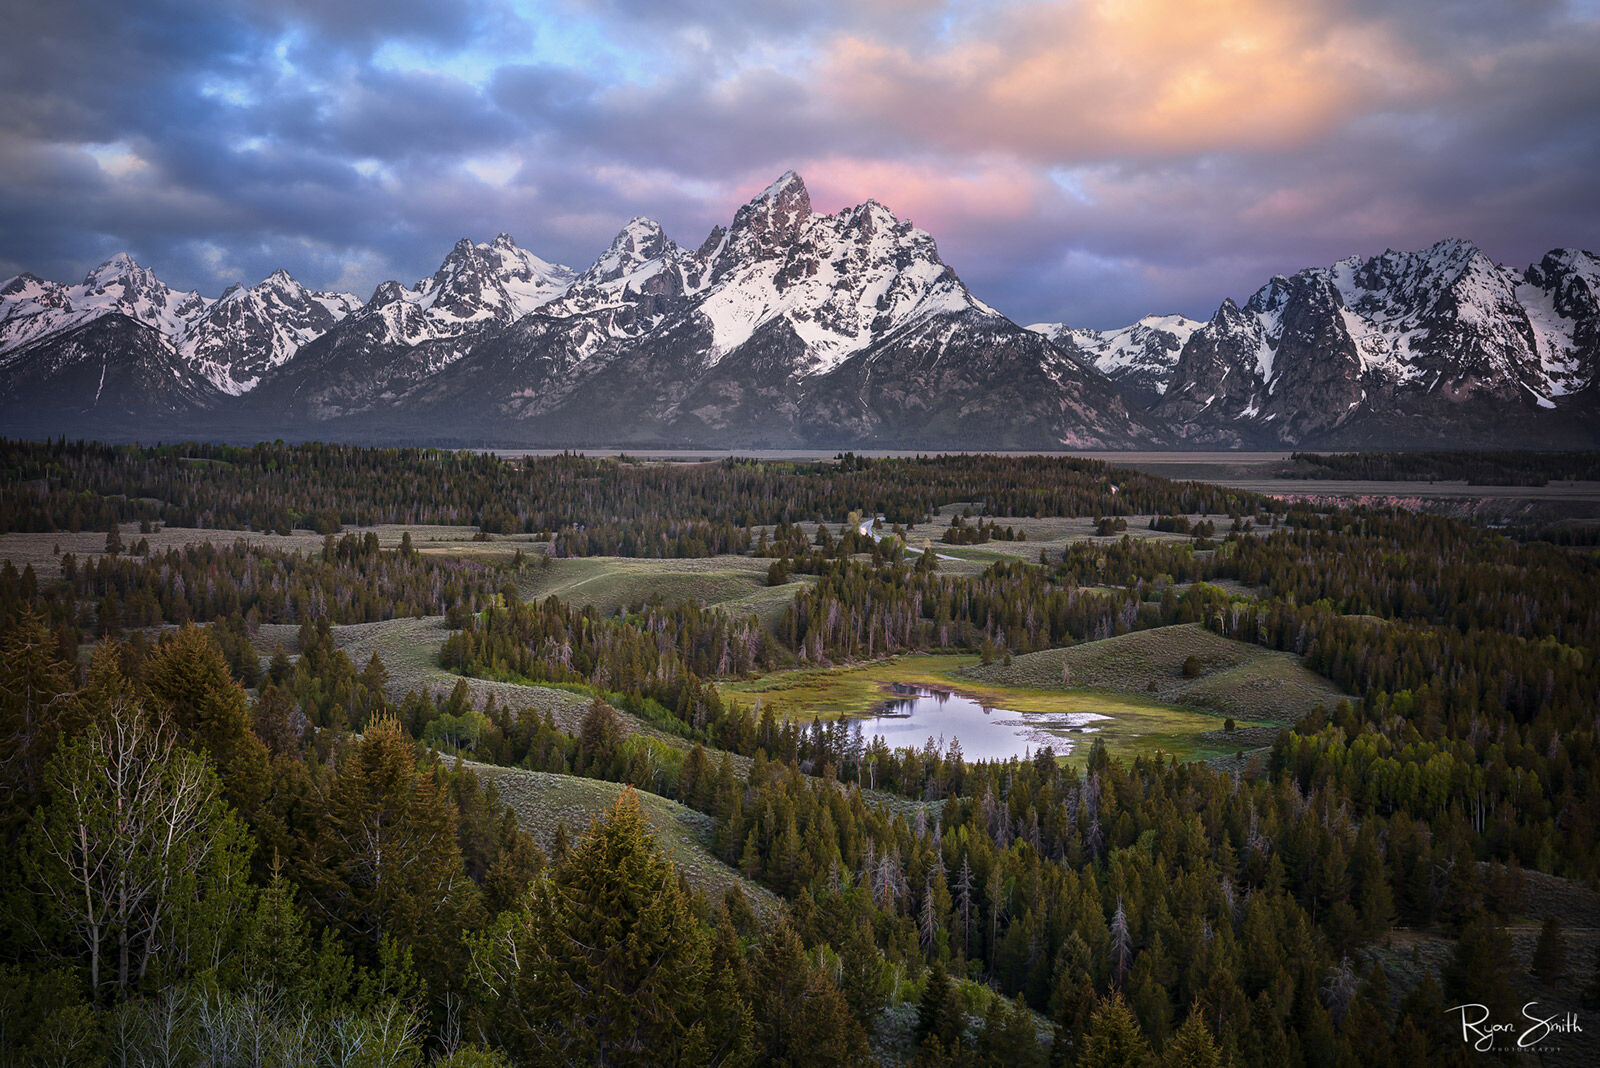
[[964, 888], [613, 964], [384, 859], [939, 1013], [518, 859], [1550, 953], [1192, 1046], [1008, 1038], [1479, 971], [38, 705], [1113, 1039], [1121, 943], [190, 685], [801, 1018]]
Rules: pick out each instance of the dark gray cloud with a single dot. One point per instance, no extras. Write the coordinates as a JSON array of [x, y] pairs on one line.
[[1062, 170]]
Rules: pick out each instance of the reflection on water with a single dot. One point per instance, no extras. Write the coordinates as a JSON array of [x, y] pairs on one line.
[[917, 713]]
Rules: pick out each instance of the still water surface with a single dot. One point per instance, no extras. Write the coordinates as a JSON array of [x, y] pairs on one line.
[[916, 713]]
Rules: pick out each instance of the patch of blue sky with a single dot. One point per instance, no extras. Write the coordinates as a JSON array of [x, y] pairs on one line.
[[556, 35], [1073, 181]]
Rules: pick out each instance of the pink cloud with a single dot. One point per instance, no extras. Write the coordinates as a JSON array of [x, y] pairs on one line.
[[1148, 77], [932, 195]]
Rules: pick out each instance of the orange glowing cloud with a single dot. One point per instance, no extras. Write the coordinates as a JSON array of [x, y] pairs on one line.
[[1144, 77]]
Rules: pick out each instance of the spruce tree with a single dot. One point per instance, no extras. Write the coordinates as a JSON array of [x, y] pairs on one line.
[[1192, 1046], [384, 860], [801, 1017], [1550, 953], [939, 1014], [613, 964], [1479, 970], [189, 685], [1113, 1039]]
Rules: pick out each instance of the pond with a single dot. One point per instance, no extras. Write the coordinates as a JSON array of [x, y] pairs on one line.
[[914, 713]]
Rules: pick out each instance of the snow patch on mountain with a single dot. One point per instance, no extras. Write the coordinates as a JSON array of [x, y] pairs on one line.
[[842, 282], [249, 331], [476, 284]]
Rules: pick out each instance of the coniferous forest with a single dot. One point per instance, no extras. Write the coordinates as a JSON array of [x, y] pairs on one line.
[[228, 841]]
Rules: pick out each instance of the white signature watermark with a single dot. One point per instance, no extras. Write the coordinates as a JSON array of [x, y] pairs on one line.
[[1533, 1032]]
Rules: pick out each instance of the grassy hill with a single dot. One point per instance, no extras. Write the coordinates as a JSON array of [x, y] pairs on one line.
[[1236, 679], [542, 801], [738, 583]]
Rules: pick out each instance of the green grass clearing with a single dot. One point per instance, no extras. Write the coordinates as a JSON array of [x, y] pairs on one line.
[[1237, 679], [1136, 725], [609, 583]]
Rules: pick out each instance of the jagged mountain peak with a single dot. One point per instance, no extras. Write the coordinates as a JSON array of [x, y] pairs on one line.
[[252, 330], [475, 285], [841, 282], [771, 220], [118, 266], [1270, 297], [1228, 313], [638, 243], [25, 283], [789, 184]]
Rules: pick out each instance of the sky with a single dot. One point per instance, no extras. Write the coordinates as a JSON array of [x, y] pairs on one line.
[[1086, 162]]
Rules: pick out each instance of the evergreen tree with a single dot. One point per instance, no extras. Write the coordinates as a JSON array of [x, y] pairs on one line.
[[1008, 1038], [1192, 1046], [383, 859], [801, 1018], [38, 704], [613, 966], [1550, 952], [939, 1013], [189, 684], [1480, 969], [1113, 1039]]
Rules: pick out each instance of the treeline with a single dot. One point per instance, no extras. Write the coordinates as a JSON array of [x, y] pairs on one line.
[[1478, 468], [49, 486], [1424, 568], [351, 581], [858, 611], [651, 536]]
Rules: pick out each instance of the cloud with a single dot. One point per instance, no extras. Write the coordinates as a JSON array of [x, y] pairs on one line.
[[1088, 161]]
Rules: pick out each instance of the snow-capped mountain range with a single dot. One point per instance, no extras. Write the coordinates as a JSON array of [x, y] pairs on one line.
[[790, 327], [1393, 345], [230, 342]]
